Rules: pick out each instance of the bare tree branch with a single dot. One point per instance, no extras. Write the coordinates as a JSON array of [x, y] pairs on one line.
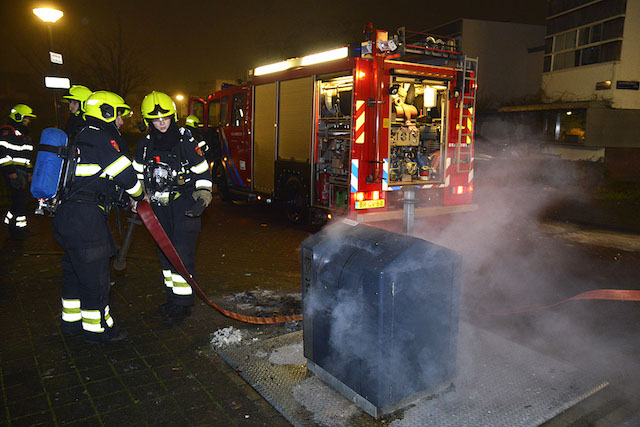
[[111, 64]]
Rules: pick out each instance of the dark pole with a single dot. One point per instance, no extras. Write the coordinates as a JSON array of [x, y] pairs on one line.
[[52, 67]]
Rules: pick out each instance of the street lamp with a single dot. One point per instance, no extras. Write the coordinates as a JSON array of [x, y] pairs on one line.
[[50, 16], [180, 98], [47, 14]]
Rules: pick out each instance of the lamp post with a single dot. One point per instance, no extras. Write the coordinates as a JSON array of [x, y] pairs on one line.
[[50, 16], [180, 98]]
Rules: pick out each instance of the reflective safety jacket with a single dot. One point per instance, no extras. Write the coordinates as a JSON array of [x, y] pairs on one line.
[[184, 156], [16, 150], [74, 125], [100, 165]]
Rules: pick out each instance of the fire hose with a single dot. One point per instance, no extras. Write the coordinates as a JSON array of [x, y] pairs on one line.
[[596, 294], [157, 232], [160, 236]]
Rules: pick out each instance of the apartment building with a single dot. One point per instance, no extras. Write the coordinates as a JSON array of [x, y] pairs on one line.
[[590, 108]]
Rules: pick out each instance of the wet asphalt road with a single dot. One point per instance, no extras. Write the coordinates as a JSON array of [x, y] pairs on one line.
[[511, 261]]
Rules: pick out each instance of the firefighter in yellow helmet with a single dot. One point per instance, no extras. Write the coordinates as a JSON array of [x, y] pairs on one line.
[[194, 127], [177, 179], [80, 226], [77, 96], [16, 162]]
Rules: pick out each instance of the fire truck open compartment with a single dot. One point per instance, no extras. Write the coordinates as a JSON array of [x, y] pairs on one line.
[[416, 134], [332, 157], [347, 130]]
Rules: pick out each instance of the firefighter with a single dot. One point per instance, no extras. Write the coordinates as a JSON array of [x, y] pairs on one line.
[[178, 182], [16, 161], [88, 248], [78, 94], [192, 124]]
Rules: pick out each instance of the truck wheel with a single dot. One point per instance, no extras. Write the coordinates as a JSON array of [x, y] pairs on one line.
[[295, 201], [220, 179]]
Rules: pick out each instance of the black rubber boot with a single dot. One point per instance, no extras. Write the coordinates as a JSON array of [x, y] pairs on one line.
[[20, 233], [177, 314], [109, 335], [165, 309], [71, 329]]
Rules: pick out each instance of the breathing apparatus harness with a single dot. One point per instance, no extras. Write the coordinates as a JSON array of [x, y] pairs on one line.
[[162, 181], [106, 200]]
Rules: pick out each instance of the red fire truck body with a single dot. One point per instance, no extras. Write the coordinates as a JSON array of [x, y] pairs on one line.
[[346, 130]]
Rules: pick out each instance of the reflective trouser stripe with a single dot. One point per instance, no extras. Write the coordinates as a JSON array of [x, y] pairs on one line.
[[71, 310], [21, 221], [180, 286], [167, 278], [8, 217], [107, 317], [91, 321]]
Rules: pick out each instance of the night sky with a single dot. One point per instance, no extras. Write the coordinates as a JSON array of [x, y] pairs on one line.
[[184, 46]]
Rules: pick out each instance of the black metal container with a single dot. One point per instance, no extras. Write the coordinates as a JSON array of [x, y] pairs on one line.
[[380, 314]]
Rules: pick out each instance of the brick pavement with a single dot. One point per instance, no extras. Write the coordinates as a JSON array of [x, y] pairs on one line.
[[157, 376]]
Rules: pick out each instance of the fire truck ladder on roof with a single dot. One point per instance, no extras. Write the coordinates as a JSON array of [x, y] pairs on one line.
[[467, 122]]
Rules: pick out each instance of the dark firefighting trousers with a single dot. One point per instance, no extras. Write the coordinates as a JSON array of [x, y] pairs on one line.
[[81, 229], [183, 232], [16, 217]]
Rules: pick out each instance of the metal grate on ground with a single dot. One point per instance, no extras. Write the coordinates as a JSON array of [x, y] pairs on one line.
[[499, 383]]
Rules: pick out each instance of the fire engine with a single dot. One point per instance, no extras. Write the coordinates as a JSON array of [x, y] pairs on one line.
[[344, 131]]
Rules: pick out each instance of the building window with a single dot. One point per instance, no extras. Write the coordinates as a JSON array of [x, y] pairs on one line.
[[590, 55], [611, 51], [564, 60], [591, 44], [565, 126], [566, 15]]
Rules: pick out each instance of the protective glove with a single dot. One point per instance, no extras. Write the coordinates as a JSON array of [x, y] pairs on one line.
[[205, 195], [134, 203], [202, 198]]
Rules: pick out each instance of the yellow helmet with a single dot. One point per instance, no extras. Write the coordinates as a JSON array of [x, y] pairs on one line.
[[78, 93], [20, 111], [105, 106], [157, 105], [192, 121]]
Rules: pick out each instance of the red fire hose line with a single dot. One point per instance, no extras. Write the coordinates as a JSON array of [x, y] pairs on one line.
[[161, 238], [597, 294], [157, 232]]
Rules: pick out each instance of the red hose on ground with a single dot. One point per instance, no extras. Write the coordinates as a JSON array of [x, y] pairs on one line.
[[597, 294], [157, 232]]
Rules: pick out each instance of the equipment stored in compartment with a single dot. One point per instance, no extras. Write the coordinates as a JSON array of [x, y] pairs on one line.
[[344, 131]]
